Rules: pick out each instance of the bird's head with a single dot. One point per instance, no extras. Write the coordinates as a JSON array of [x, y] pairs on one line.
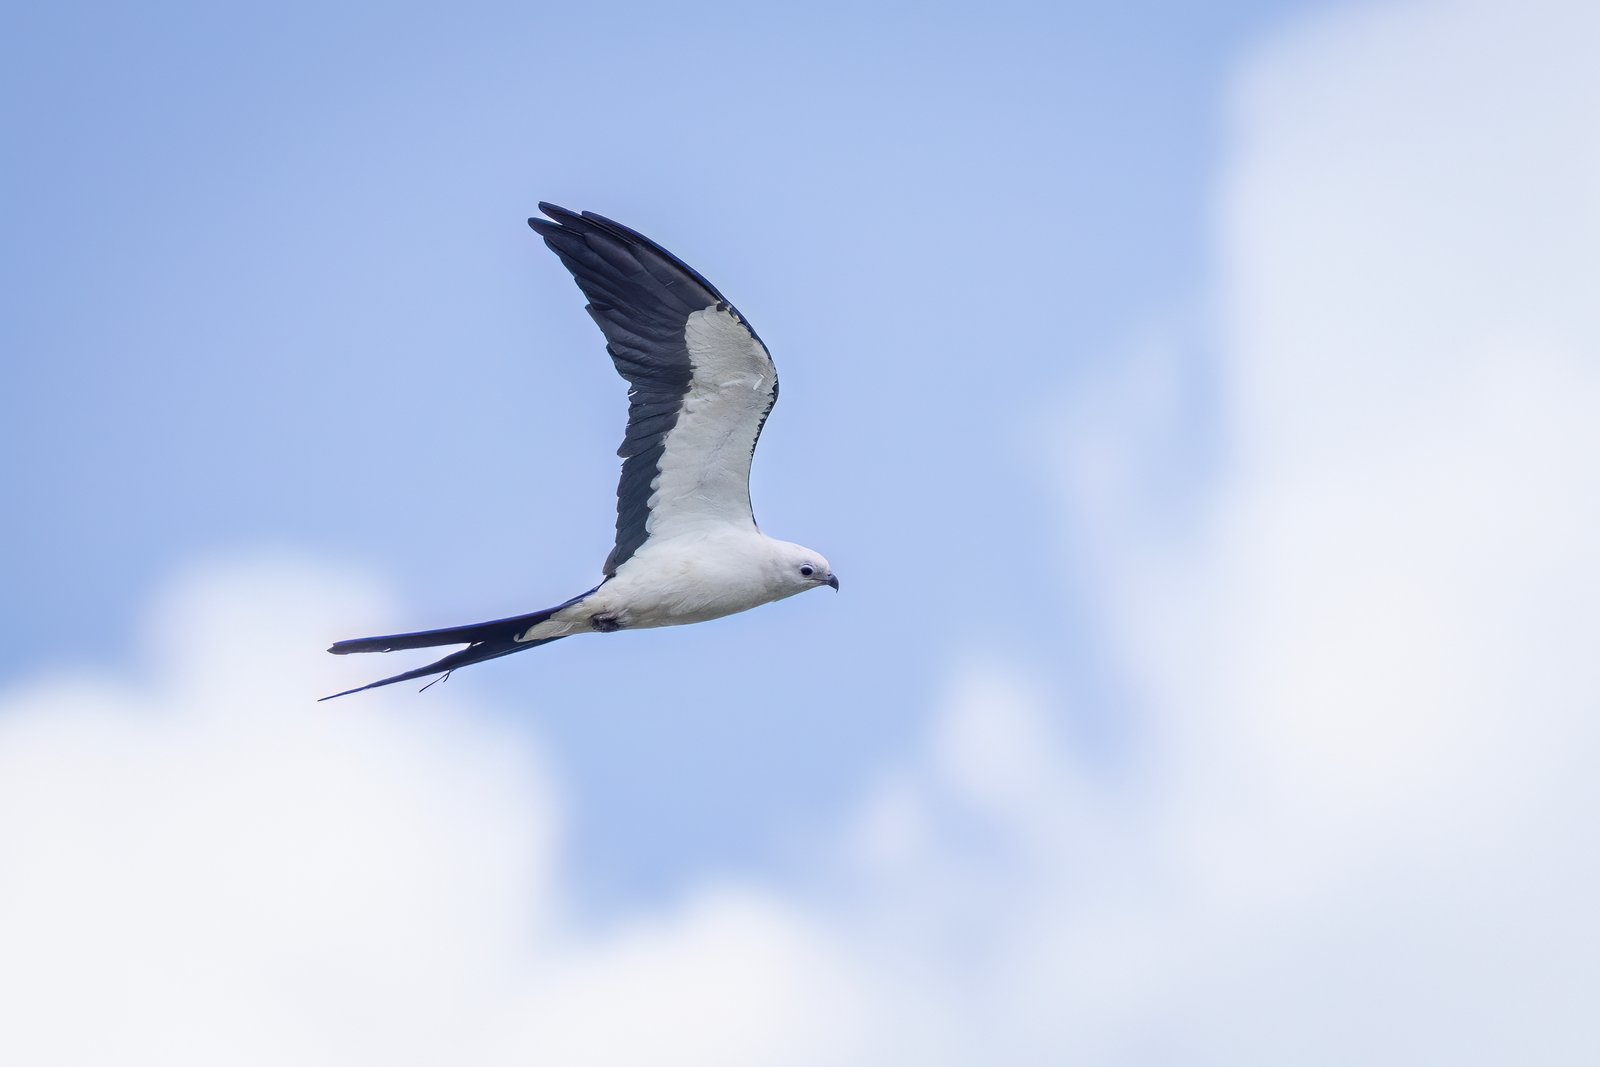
[[800, 568]]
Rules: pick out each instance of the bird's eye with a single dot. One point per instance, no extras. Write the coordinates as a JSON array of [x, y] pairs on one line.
[[807, 570]]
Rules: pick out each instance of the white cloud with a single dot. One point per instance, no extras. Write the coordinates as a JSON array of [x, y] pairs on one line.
[[1369, 659], [209, 867], [1355, 826], [735, 976]]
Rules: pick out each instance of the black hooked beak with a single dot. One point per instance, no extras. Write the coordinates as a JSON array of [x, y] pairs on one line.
[[833, 580]]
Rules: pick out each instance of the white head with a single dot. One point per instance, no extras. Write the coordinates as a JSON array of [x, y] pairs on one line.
[[797, 568]]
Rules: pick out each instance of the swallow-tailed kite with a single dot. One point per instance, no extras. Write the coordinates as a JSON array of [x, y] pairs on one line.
[[700, 387]]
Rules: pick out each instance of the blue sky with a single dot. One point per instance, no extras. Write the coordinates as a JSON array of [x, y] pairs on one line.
[[269, 285], [1195, 401]]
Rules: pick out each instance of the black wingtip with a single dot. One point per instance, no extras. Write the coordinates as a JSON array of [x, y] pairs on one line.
[[561, 216], [560, 221], [581, 224]]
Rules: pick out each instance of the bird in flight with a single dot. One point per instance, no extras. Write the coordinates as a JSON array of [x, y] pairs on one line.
[[700, 387]]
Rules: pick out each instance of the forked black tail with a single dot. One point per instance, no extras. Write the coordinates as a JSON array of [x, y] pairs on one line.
[[484, 640]]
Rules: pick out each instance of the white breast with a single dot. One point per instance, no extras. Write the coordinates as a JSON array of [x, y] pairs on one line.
[[692, 579]]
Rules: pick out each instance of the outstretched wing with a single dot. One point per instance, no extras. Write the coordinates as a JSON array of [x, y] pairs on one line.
[[701, 383]]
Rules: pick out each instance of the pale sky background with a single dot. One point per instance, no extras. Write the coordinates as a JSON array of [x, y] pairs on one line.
[[1197, 404]]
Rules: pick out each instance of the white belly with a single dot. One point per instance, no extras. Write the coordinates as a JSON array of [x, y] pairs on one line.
[[676, 582]]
